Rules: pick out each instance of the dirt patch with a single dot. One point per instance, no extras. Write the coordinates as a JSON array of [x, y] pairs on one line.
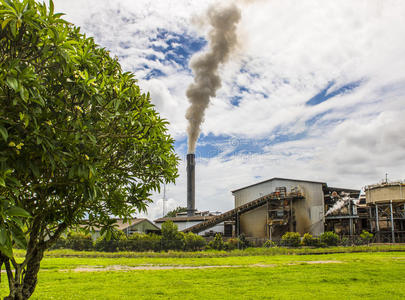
[[314, 262], [143, 267], [163, 267]]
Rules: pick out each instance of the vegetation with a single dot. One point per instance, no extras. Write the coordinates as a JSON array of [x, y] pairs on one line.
[[171, 238], [79, 142], [366, 237], [217, 243], [193, 242], [333, 276], [174, 212], [291, 239], [309, 240], [329, 238]]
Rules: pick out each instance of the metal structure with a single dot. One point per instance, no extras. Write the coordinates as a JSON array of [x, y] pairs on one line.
[[273, 200], [381, 212]]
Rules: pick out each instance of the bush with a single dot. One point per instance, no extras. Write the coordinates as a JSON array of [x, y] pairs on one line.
[[232, 244], [217, 243], [366, 237], [193, 242], [329, 238], [140, 242], [269, 244], [77, 241], [309, 240], [243, 242], [291, 239], [171, 238]]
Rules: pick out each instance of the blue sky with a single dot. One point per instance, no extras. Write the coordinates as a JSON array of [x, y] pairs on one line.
[[314, 91]]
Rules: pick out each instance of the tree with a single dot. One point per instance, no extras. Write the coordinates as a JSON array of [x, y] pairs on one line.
[[217, 243], [79, 141], [174, 212], [171, 237]]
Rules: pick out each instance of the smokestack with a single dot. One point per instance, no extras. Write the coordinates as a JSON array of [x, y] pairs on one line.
[[190, 184]]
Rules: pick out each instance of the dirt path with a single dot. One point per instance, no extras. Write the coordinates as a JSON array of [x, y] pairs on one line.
[[160, 267]]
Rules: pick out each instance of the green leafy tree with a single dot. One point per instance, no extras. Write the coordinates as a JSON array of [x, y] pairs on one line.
[[217, 243], [172, 239], [174, 212], [79, 141]]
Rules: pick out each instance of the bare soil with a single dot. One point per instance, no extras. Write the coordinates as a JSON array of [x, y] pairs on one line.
[[163, 267]]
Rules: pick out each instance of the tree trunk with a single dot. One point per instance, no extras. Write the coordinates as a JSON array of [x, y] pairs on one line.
[[23, 284]]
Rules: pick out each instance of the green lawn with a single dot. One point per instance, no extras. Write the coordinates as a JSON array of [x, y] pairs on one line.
[[356, 275]]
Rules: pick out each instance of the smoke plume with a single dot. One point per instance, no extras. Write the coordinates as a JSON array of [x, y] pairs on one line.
[[339, 204], [222, 41]]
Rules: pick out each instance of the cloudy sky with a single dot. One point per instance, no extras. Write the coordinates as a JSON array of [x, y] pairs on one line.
[[315, 89]]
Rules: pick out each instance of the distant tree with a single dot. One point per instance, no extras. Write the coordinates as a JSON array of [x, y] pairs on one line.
[[217, 243], [172, 239], [79, 142], [172, 213]]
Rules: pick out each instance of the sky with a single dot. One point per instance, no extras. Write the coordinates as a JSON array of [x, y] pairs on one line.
[[315, 89]]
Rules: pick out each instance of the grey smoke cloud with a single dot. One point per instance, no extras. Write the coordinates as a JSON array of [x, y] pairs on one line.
[[222, 41]]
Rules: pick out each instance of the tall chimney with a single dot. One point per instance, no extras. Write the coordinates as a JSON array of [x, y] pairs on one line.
[[190, 184]]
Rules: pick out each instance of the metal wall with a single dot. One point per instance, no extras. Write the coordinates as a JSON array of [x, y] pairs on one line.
[[310, 212], [386, 192]]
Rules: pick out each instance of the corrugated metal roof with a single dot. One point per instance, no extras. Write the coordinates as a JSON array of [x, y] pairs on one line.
[[278, 178], [121, 225]]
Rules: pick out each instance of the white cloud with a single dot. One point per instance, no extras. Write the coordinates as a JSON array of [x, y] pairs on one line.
[[290, 51]]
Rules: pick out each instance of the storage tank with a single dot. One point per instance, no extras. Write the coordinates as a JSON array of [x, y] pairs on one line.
[[385, 192]]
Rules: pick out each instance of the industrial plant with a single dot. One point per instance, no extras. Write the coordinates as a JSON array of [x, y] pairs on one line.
[[266, 210]]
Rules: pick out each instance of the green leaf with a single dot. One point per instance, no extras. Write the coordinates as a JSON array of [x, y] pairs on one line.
[[7, 250], [5, 22], [3, 236], [12, 83], [17, 212], [2, 182], [13, 28], [18, 236]]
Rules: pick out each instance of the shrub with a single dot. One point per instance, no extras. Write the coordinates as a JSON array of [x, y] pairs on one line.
[[143, 242], [232, 244], [345, 241], [309, 240], [171, 238], [366, 237], [291, 239], [217, 243], [269, 244], [243, 242], [193, 242], [329, 238], [78, 241]]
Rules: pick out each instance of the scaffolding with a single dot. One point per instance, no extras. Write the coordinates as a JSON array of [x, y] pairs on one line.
[[387, 221]]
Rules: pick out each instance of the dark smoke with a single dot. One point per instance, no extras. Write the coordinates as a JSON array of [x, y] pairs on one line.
[[222, 41]]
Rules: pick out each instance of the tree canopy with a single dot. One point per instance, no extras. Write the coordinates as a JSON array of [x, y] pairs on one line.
[[79, 140], [174, 212]]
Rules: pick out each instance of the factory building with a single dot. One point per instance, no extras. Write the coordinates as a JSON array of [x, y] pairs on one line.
[[304, 214], [268, 209]]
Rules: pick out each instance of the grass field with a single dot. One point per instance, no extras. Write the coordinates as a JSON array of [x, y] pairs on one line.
[[68, 275]]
